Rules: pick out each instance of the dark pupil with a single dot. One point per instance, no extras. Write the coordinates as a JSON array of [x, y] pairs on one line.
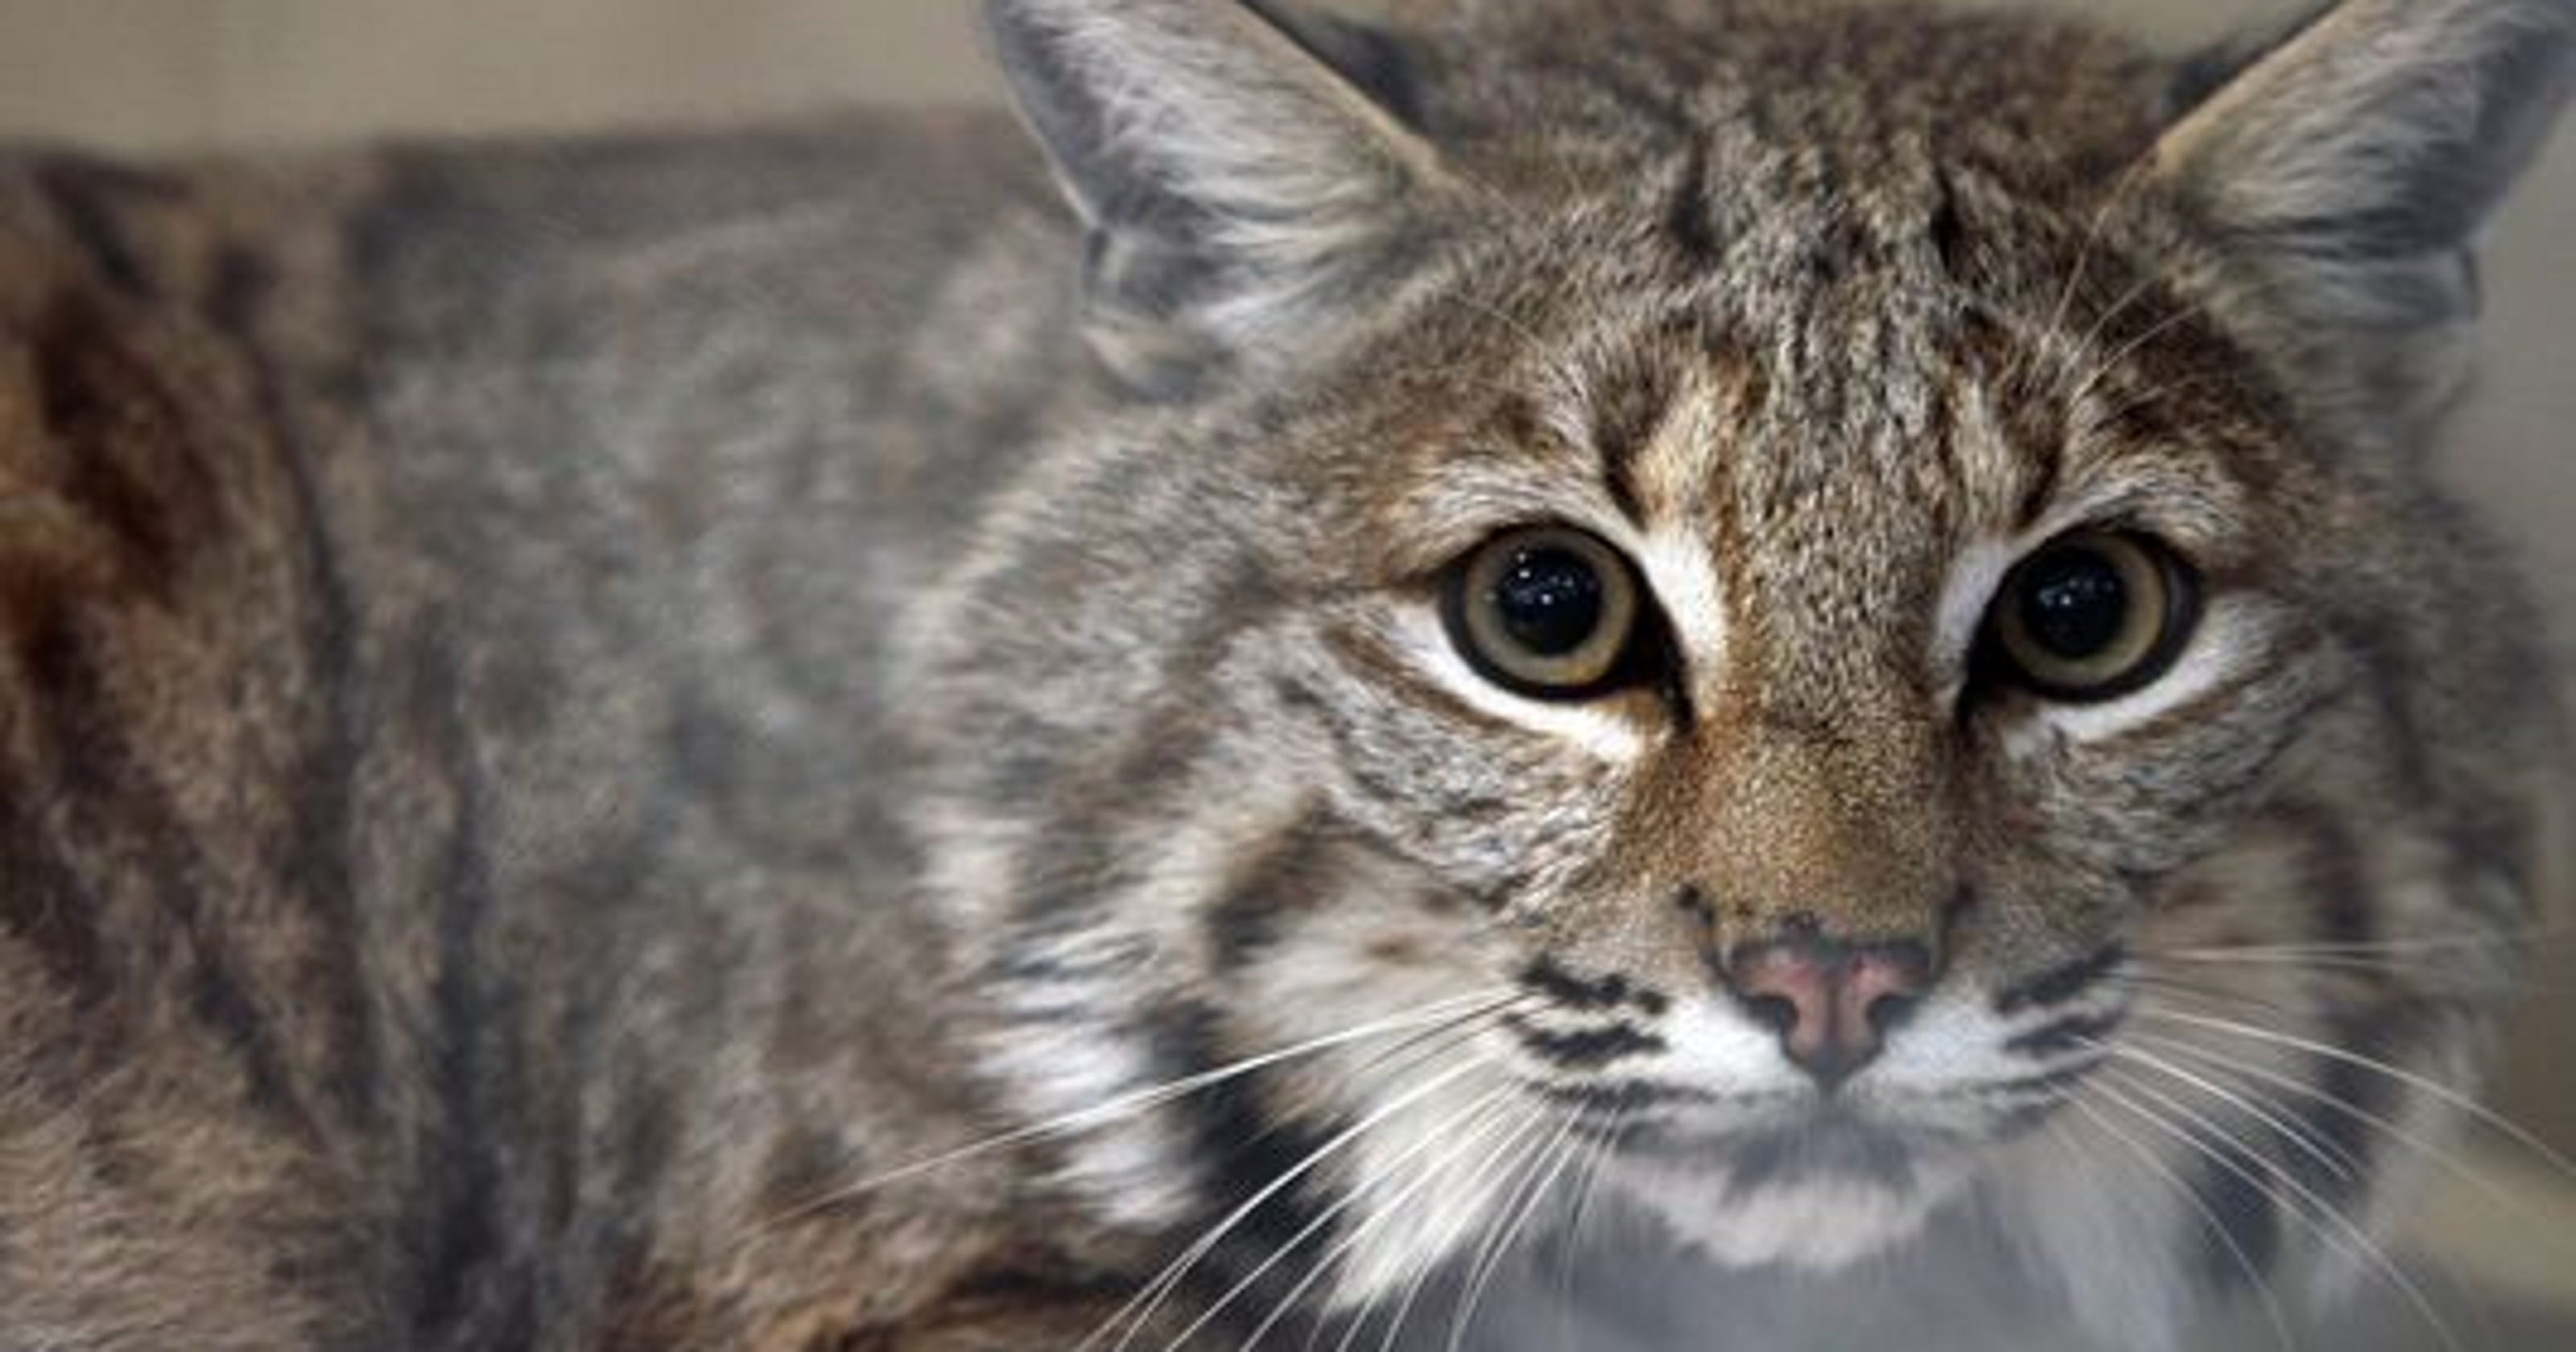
[[1549, 601], [2074, 603]]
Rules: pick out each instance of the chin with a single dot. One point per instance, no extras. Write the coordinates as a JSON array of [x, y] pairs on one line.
[[1818, 1198]]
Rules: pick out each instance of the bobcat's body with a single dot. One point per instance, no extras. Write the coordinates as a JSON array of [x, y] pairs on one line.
[[454, 891], [568, 714]]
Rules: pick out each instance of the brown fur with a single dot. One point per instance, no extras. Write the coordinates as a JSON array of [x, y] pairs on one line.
[[570, 714]]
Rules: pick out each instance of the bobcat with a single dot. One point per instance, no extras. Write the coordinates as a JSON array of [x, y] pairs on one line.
[[1744, 644]]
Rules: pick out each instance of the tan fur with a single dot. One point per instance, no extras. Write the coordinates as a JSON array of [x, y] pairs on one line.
[[577, 719]]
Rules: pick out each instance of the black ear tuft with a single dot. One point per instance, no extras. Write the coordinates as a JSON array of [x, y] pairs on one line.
[[1373, 60], [2203, 73]]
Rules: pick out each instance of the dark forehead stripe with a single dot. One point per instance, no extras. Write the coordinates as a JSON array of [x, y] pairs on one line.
[[1687, 221], [1627, 406], [2045, 453], [1946, 233], [1634, 395]]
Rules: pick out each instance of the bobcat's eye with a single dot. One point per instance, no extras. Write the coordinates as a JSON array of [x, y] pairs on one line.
[[2094, 615], [1548, 611]]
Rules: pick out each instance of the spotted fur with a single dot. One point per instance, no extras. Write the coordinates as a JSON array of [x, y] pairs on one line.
[[682, 743]]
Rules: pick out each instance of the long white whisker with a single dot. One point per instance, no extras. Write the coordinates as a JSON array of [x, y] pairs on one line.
[[2190, 309], [2347, 1237], [2271, 1299], [1508, 1149], [2111, 201], [1550, 1164], [2376, 959], [1358, 1193], [2154, 983], [2510, 1129], [2119, 305], [2321, 961], [1155, 1292], [1602, 1151], [2395, 1131], [1471, 1127], [1428, 1044], [2122, 353], [1142, 1100], [2508, 942], [2337, 1161], [2466, 979]]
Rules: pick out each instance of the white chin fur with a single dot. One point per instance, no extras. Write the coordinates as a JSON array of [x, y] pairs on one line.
[[1817, 1225]]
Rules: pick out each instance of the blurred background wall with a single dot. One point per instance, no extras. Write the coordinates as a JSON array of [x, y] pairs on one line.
[[156, 76], [148, 74]]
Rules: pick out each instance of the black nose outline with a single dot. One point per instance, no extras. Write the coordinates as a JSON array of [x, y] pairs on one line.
[[1832, 1002]]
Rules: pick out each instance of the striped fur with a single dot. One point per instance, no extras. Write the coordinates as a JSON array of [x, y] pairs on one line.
[[572, 714]]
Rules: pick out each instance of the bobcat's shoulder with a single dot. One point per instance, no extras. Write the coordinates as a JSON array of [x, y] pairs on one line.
[[442, 598]]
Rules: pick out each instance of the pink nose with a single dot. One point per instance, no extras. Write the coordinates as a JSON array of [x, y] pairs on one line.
[[1832, 1003]]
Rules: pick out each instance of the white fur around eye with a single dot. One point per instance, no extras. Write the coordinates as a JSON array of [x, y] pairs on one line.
[[2228, 639], [1604, 735], [1975, 576], [1681, 584]]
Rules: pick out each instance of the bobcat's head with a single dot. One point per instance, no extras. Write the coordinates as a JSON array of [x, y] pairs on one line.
[[1762, 609]]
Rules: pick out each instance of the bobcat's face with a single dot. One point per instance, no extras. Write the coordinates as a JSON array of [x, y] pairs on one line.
[[1800, 682], [1757, 651]]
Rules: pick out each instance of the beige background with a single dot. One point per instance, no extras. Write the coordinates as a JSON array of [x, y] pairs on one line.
[[158, 75]]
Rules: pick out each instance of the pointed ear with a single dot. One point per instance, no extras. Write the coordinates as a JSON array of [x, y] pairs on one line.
[[1238, 187], [2351, 164]]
